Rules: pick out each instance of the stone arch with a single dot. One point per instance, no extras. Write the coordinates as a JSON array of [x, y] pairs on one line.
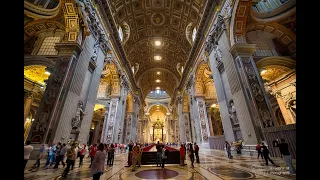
[[38, 60], [204, 85], [165, 107], [285, 36]]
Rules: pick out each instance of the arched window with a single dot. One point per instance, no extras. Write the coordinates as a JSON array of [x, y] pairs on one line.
[[194, 32], [120, 33]]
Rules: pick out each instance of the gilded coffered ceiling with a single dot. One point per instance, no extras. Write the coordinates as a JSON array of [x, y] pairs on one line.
[[167, 21]]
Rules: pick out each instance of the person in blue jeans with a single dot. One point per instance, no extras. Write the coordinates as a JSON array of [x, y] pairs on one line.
[[159, 153], [51, 155]]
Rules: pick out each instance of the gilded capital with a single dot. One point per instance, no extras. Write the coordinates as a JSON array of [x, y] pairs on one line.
[[242, 50]]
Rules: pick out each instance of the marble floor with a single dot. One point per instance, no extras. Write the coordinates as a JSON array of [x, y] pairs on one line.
[[213, 165]]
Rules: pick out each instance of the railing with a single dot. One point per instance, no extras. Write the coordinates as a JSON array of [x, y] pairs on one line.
[[271, 8]]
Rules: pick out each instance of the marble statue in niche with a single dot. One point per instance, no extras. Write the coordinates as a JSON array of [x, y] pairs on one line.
[[233, 113], [79, 116]]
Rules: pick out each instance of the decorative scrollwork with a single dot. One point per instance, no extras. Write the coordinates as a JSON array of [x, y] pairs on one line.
[[257, 92]]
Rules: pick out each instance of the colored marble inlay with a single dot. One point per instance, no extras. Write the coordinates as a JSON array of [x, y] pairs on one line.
[[157, 174]]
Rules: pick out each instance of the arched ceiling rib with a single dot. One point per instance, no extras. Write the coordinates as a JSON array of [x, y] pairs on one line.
[[163, 20]]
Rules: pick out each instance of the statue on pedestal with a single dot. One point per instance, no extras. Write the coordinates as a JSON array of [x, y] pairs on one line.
[[79, 116]]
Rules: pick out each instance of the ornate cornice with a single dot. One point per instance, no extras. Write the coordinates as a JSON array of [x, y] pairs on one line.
[[104, 9]]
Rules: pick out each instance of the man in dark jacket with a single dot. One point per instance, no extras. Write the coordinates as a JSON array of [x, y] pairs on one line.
[[284, 150], [265, 152]]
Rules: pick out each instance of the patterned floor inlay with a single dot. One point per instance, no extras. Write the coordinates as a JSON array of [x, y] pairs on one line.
[[157, 174], [229, 172]]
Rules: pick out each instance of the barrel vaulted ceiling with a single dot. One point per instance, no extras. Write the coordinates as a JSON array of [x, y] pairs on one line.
[[169, 21]]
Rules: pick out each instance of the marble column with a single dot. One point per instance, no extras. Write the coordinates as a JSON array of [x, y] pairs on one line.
[[187, 126], [27, 104], [106, 115], [203, 122], [182, 127], [112, 117], [120, 117], [54, 98], [251, 103], [133, 130], [128, 127], [210, 122], [96, 136]]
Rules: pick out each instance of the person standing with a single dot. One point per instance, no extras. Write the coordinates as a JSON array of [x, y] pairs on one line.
[[140, 155], [51, 154], [71, 154], [164, 156], [228, 149], [130, 146], [93, 153], [265, 152], [39, 157], [182, 155], [258, 148], [98, 162], [60, 156], [284, 150], [135, 154], [27, 151], [196, 152], [159, 153], [111, 151], [191, 154]]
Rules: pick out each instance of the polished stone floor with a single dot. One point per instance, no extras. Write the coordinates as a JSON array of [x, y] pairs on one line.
[[213, 165]]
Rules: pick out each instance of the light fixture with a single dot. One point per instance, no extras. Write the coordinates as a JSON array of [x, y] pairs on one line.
[[157, 87], [158, 72], [168, 113], [214, 105], [41, 87], [157, 43], [263, 72], [158, 105], [158, 110], [28, 119], [158, 80], [157, 58], [48, 73], [32, 119]]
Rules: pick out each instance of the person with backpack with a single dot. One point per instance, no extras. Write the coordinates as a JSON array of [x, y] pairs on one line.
[[258, 148], [164, 155], [196, 152]]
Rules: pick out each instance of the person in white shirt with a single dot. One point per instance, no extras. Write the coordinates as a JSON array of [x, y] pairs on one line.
[[27, 151]]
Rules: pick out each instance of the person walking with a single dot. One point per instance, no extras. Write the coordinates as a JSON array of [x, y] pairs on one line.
[[284, 150], [130, 146], [27, 151], [39, 157], [140, 155], [51, 156], [70, 159], [258, 148], [98, 162], [159, 153], [60, 156], [196, 152], [182, 155], [265, 152], [191, 154], [228, 149]]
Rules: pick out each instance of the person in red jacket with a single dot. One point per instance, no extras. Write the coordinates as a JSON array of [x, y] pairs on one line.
[[182, 155], [93, 153]]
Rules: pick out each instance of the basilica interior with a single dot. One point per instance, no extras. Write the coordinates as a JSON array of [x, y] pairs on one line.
[[173, 71]]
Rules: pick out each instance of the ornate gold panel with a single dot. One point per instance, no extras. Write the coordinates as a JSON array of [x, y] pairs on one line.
[[36, 73], [272, 72]]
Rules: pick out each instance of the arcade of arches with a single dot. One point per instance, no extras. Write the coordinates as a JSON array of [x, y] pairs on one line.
[[203, 71]]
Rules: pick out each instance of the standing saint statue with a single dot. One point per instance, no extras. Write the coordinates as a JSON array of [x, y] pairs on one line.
[[79, 115], [233, 113]]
